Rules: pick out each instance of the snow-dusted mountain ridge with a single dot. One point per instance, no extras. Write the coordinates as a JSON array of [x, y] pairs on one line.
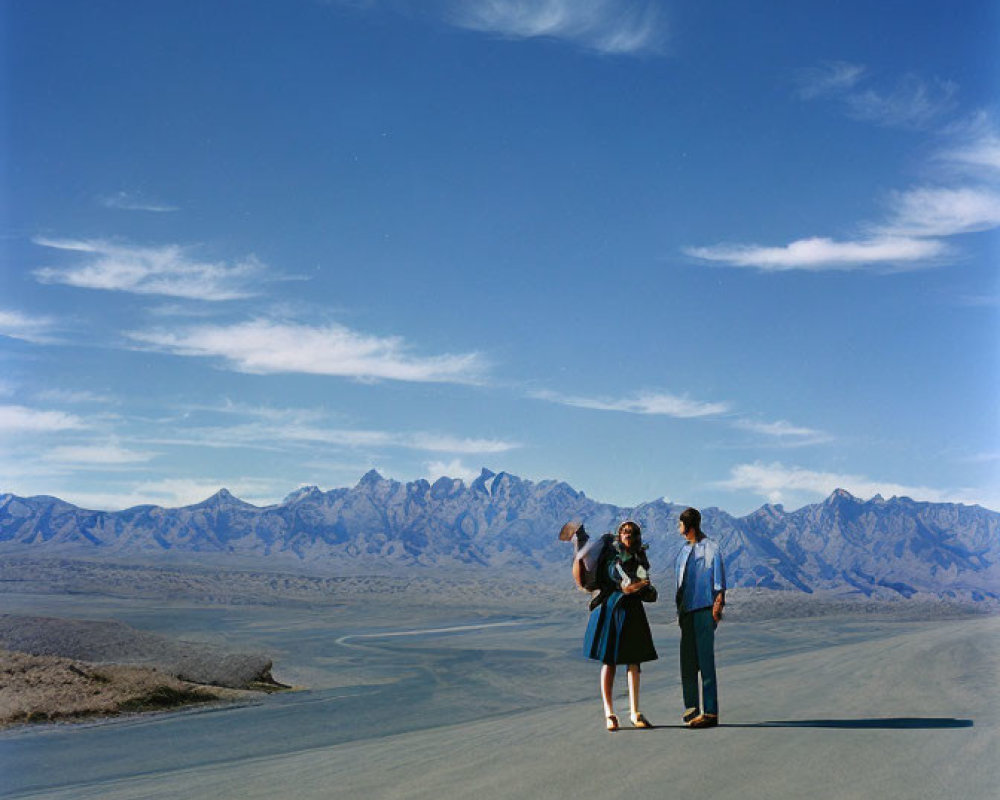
[[897, 546]]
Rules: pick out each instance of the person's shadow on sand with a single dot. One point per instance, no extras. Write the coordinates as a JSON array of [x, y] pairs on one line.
[[877, 723]]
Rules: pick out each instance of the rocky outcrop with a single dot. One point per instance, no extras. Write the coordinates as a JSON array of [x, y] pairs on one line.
[[113, 642]]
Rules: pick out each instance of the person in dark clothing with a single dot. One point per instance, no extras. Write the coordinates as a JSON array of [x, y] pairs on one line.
[[618, 631]]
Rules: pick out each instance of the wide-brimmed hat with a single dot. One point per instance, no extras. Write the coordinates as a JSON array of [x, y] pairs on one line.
[[569, 530]]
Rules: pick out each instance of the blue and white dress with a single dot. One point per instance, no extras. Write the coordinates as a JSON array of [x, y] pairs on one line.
[[618, 631]]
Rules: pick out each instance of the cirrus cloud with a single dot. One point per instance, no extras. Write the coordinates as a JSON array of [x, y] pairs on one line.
[[785, 432], [918, 220], [662, 403], [263, 347], [103, 454], [909, 102], [974, 146], [134, 201], [167, 270], [606, 26], [175, 492], [270, 436], [820, 253], [27, 328], [942, 211], [776, 482], [21, 419], [830, 77]]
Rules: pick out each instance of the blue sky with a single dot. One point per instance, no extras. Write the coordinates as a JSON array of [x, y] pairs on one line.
[[721, 253]]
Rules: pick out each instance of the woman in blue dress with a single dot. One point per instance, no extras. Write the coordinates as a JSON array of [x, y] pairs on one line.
[[618, 631]]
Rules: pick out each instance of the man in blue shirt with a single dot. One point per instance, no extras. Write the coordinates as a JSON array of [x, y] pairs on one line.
[[701, 594]]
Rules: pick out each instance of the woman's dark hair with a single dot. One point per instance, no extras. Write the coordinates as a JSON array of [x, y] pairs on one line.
[[691, 517], [634, 526], [637, 546]]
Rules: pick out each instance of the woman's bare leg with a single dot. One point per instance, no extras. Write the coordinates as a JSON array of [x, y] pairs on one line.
[[633, 690], [608, 688]]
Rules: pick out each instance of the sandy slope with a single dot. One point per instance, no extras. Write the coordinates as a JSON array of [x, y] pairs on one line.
[[40, 688], [113, 642], [913, 716]]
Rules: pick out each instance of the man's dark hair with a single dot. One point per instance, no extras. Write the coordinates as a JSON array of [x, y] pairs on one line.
[[691, 517]]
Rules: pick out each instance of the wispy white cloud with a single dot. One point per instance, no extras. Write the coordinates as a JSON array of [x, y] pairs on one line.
[[820, 253], [605, 26], [781, 433], [911, 102], [439, 443], [974, 146], [272, 435], [134, 201], [174, 492], [28, 328], [166, 270], [94, 455], [776, 482], [271, 427], [787, 433], [662, 403], [21, 419], [22, 471], [354, 438], [917, 223], [182, 309], [264, 347], [830, 77], [450, 469], [75, 397], [271, 414], [939, 211]]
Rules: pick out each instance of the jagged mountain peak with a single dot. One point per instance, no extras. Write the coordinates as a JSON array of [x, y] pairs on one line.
[[484, 482], [843, 542], [302, 493], [223, 497], [420, 486], [371, 478], [773, 510], [841, 496], [447, 487]]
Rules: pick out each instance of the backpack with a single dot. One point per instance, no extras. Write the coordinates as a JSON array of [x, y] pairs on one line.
[[590, 560]]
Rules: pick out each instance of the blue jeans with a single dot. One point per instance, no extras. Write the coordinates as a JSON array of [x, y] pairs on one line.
[[698, 655]]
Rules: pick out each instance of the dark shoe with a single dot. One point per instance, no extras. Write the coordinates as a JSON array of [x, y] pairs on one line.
[[704, 721], [611, 722], [691, 714], [640, 721]]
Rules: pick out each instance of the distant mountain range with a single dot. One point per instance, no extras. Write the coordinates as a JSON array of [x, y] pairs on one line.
[[874, 547]]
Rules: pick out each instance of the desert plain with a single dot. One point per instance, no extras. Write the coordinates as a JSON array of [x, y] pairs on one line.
[[437, 686]]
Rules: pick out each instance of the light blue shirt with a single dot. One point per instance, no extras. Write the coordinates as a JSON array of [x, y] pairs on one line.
[[700, 575]]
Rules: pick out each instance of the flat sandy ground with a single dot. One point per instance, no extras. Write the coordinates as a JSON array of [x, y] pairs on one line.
[[414, 701]]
